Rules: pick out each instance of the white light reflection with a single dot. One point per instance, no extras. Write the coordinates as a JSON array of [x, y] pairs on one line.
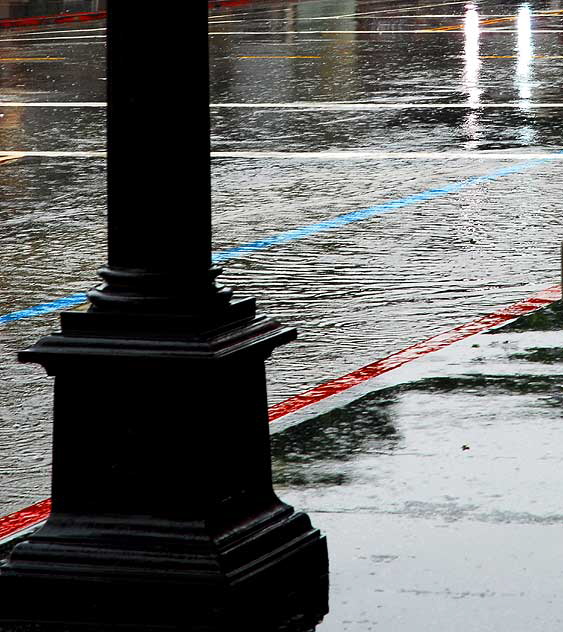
[[524, 55], [471, 70]]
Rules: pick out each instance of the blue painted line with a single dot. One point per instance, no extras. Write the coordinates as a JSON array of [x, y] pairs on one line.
[[307, 231], [385, 207], [44, 308]]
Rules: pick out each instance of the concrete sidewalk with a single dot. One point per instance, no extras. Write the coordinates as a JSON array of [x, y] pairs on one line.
[[441, 495]]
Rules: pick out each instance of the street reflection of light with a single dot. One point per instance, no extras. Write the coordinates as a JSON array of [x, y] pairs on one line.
[[524, 54], [527, 136], [471, 130], [470, 82], [471, 56]]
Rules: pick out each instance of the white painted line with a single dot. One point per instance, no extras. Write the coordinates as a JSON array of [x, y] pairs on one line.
[[384, 155], [454, 16], [299, 105], [54, 154], [28, 33], [358, 32], [43, 39], [338, 105], [246, 21], [458, 16], [52, 104]]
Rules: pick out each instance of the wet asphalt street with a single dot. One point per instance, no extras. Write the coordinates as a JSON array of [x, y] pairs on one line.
[[52, 212], [382, 172], [321, 109]]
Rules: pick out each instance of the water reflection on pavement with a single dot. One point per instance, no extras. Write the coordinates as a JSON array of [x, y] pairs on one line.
[[440, 497], [316, 77], [292, 79]]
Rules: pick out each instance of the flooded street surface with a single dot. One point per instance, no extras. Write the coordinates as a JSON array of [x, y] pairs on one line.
[[52, 215], [321, 109], [382, 172]]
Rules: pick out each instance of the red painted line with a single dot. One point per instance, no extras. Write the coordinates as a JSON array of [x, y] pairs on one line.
[[53, 19], [214, 4], [340, 384], [28, 517], [20, 520]]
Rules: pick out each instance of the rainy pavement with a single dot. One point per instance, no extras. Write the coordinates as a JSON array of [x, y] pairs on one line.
[[291, 94], [440, 494], [52, 213], [382, 172]]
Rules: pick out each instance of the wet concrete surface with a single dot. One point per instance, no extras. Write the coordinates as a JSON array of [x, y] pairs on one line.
[[397, 482], [440, 496]]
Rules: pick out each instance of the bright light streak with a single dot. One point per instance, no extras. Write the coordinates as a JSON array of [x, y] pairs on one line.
[[470, 80], [471, 56], [524, 54]]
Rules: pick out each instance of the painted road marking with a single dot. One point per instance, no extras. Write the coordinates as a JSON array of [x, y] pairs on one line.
[[44, 32], [27, 59], [312, 229], [53, 104], [279, 57], [362, 32], [44, 308], [5, 159], [378, 209], [458, 16], [420, 6], [396, 360], [302, 105], [19, 522], [385, 155], [44, 39], [509, 18], [54, 154], [437, 16], [454, 27], [340, 105], [517, 56]]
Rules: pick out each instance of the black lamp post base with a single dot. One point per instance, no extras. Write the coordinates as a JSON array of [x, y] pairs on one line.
[[268, 574], [163, 512]]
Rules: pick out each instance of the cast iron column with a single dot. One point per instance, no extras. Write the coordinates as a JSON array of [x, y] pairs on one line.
[[163, 511]]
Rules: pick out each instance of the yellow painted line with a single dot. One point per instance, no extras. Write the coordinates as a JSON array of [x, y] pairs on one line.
[[458, 27], [516, 56], [4, 59], [510, 18], [279, 57], [4, 159]]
